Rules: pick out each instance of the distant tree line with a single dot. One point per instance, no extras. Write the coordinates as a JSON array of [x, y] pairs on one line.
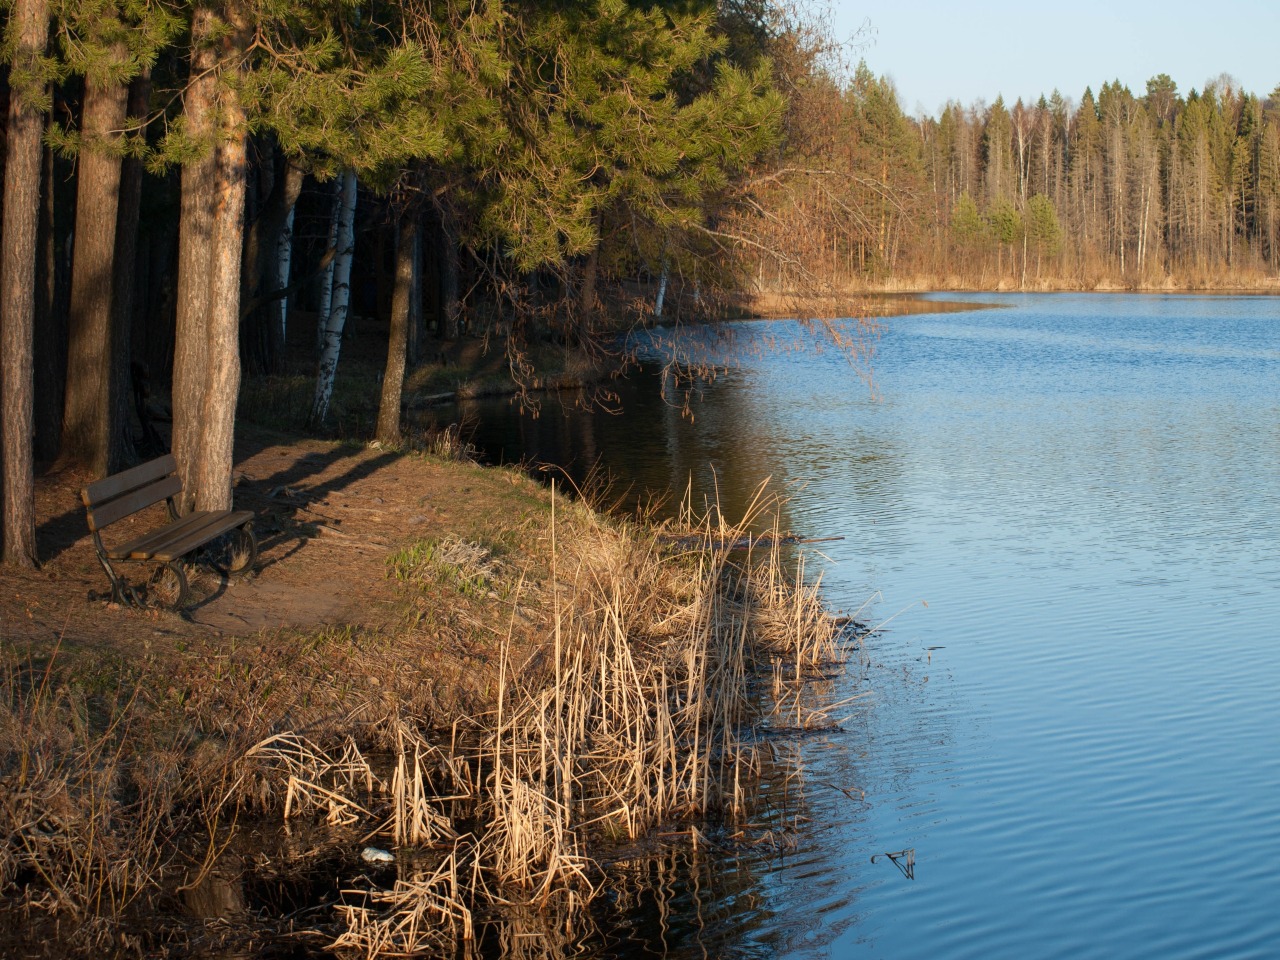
[[1121, 189]]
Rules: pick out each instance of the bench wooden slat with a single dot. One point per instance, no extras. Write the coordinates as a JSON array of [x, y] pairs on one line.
[[131, 479], [218, 524], [130, 503], [141, 548]]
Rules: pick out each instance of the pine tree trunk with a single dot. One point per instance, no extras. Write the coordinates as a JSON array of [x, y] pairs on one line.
[[397, 346], [88, 437], [195, 260], [222, 378], [51, 346], [449, 312], [17, 292], [587, 300], [218, 411], [124, 279], [341, 301], [413, 347]]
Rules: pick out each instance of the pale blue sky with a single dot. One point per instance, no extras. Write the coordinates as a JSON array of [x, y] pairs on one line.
[[936, 50]]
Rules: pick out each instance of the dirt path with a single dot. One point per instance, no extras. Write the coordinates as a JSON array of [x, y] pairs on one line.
[[328, 515]]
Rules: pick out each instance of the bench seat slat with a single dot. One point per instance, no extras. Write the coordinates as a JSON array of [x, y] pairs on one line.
[[141, 548], [219, 524], [131, 479], [106, 513]]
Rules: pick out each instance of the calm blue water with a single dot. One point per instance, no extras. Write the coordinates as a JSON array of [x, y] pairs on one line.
[[1075, 719]]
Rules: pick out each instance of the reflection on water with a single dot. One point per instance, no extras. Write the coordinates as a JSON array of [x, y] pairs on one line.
[[1077, 735]]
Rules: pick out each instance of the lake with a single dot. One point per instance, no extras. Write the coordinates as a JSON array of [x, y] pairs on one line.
[[1072, 505]]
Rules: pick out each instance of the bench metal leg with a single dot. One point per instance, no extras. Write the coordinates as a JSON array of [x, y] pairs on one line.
[[168, 586], [121, 592]]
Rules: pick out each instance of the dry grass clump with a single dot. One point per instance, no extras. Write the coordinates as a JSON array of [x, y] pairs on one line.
[[85, 816]]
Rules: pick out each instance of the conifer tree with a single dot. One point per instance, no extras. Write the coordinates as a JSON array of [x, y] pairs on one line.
[[109, 43], [26, 35], [603, 132]]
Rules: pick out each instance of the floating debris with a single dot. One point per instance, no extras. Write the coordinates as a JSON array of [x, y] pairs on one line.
[[374, 855], [904, 860]]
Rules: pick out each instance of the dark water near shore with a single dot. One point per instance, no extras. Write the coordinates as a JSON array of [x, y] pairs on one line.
[[1079, 735]]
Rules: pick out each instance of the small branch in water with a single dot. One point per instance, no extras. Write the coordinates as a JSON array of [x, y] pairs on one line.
[[904, 860]]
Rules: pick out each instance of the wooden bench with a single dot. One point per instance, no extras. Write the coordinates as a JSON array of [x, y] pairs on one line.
[[131, 491]]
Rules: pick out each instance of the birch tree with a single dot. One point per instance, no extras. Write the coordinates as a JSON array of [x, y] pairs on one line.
[[339, 300]]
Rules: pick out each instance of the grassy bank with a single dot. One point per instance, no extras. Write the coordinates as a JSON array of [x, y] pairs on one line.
[[528, 685]]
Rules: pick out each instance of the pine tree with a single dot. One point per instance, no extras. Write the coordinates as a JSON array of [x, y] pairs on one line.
[[25, 37]]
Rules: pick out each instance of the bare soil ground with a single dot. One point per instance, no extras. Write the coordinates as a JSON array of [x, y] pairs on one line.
[[328, 516]]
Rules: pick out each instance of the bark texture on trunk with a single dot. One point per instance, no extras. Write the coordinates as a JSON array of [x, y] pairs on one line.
[[87, 435], [17, 294], [398, 342], [216, 448], [195, 260], [340, 302], [222, 387]]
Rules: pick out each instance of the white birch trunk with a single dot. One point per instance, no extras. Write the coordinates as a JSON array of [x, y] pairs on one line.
[[326, 278], [284, 258], [662, 292], [331, 342]]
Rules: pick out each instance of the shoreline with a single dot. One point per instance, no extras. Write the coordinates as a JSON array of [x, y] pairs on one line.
[[874, 304]]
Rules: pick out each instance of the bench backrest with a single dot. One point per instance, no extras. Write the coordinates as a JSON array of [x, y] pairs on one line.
[[124, 494]]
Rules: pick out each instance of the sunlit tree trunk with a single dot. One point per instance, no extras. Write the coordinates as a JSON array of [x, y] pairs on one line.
[[397, 346], [222, 385], [195, 259], [660, 299]]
